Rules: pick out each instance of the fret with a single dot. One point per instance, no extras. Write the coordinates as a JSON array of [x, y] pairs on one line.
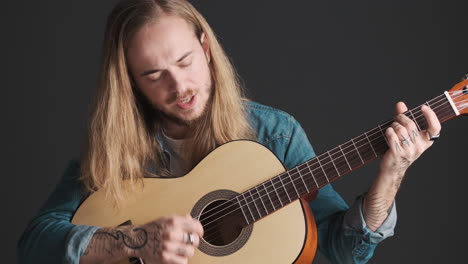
[[351, 154], [269, 198], [364, 148], [414, 119], [378, 141], [271, 190], [286, 190], [257, 202], [277, 193], [302, 178], [438, 108], [292, 182], [350, 169], [442, 108], [383, 135], [254, 201], [261, 200], [242, 209], [312, 174], [339, 160], [248, 207], [368, 140], [424, 124], [352, 140], [324, 173], [436, 112], [334, 165]]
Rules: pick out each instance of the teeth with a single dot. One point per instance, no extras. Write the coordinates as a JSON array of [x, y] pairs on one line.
[[187, 100]]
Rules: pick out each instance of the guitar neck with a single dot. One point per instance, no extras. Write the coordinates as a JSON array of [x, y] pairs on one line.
[[327, 167]]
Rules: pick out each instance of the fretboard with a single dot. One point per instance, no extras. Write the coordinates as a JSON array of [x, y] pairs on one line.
[[313, 174]]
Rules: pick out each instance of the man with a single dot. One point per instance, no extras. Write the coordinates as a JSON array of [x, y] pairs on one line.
[[168, 96]]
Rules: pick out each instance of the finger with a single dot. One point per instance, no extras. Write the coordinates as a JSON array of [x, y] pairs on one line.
[[393, 140], [433, 123], [400, 131], [175, 235], [171, 258], [400, 108], [185, 222], [185, 251], [179, 249], [411, 128], [181, 236], [192, 225]]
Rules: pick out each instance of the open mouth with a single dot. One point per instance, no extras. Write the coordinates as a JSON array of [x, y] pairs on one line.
[[188, 99], [187, 102]]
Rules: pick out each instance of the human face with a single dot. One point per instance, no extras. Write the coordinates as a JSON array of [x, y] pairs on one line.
[[170, 67]]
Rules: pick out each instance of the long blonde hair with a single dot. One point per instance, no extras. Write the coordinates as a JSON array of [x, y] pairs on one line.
[[121, 143]]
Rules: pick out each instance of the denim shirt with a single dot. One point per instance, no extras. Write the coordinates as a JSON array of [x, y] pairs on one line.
[[342, 233]]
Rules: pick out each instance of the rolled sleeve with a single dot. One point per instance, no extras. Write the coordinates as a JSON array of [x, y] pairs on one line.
[[77, 241], [354, 220]]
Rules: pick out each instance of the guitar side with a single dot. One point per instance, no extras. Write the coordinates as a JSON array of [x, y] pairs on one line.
[[286, 236]]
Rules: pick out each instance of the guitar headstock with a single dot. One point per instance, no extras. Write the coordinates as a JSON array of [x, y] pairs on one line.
[[459, 95]]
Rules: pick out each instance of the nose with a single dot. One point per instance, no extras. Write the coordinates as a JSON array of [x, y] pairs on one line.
[[177, 82]]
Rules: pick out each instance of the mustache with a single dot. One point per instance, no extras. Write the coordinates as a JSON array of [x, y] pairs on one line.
[[178, 97]]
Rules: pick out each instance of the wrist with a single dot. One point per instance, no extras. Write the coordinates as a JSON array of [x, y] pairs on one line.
[[129, 242], [387, 183]]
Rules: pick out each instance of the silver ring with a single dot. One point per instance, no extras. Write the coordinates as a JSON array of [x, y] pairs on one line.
[[191, 239], [431, 137]]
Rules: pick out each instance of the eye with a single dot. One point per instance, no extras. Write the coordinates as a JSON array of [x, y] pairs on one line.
[[155, 76], [186, 62]]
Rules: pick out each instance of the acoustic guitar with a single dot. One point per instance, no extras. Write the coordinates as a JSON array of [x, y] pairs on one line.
[[252, 209]]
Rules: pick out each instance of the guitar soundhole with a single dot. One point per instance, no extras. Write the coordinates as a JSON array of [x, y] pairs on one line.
[[226, 230], [222, 221]]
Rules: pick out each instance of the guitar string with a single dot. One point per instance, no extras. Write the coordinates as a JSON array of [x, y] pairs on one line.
[[292, 180], [260, 196], [284, 184], [294, 174], [257, 209], [348, 141], [260, 205]]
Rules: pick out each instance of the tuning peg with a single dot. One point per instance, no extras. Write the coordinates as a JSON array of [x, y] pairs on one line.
[[465, 77]]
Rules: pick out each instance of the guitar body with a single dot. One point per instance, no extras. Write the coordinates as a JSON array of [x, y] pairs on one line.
[[286, 236]]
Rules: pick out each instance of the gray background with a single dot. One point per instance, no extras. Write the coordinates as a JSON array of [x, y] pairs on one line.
[[337, 66]]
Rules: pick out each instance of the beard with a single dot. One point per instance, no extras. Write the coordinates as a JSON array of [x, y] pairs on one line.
[[169, 117]]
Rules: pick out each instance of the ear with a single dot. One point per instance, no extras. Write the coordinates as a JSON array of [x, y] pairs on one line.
[[206, 46]]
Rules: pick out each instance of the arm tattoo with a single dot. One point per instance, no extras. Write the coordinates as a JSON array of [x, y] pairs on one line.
[[415, 134], [137, 241], [109, 241], [376, 210]]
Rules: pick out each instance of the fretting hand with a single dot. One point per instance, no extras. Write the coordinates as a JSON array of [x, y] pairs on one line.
[[406, 144]]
